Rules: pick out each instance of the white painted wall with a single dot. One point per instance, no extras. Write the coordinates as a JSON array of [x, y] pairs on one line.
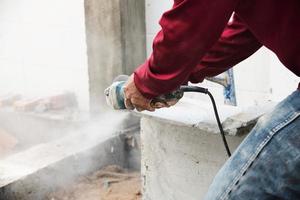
[[282, 81], [154, 10], [258, 79], [42, 48]]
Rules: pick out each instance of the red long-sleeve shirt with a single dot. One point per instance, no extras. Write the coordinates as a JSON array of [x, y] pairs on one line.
[[196, 42]]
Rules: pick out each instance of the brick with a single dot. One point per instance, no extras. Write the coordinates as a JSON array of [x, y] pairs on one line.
[[26, 105], [9, 100], [61, 101], [55, 102]]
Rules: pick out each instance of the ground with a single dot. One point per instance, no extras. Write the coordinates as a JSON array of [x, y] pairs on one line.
[[110, 183]]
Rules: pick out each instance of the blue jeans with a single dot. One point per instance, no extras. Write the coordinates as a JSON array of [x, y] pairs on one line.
[[266, 165]]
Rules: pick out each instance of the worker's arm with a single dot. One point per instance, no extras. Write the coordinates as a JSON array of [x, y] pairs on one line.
[[189, 30], [235, 45]]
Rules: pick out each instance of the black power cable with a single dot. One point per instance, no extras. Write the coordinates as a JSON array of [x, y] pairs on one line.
[[205, 91]]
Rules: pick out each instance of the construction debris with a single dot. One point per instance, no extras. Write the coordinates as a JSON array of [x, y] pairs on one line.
[[56, 102], [60, 101], [26, 105], [9, 99], [111, 183]]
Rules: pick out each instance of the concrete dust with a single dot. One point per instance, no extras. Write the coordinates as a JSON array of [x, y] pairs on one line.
[[110, 183], [7, 143]]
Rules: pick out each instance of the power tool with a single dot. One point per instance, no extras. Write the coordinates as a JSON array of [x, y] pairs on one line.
[[115, 95], [115, 98]]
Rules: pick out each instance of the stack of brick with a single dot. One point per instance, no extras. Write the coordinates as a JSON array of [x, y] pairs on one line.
[[61, 101], [9, 100], [26, 105], [52, 103]]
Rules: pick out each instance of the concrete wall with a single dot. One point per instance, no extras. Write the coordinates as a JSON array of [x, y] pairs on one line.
[[182, 150], [179, 162], [42, 48], [116, 42], [258, 79]]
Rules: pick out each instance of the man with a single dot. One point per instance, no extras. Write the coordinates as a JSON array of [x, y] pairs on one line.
[[196, 42]]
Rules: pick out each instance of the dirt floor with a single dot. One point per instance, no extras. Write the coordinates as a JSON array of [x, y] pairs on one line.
[[111, 183]]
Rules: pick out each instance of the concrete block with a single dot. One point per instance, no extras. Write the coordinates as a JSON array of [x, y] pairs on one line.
[[182, 150], [179, 162], [243, 122]]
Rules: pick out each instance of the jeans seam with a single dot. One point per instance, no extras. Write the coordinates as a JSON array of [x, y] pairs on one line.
[[272, 132]]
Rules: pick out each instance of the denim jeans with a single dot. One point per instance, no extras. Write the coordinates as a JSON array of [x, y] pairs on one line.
[[266, 165]]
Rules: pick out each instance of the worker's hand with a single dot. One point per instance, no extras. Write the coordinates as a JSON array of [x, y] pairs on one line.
[[133, 97]]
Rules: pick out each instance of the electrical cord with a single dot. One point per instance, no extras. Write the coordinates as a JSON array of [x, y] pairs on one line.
[[186, 88]]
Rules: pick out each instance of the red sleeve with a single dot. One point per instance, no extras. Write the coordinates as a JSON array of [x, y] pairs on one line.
[[189, 30], [236, 44]]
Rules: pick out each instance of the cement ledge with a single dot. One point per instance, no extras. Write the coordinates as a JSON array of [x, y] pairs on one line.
[[196, 113]]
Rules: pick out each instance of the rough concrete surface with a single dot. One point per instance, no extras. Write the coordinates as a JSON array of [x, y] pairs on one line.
[[179, 162], [116, 42], [32, 173], [190, 112], [200, 114], [182, 149], [241, 122]]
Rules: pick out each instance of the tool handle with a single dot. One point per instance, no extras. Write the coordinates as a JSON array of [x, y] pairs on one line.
[[167, 100]]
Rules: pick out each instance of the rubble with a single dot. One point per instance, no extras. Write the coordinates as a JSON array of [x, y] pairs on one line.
[[26, 105], [110, 183], [59, 106], [9, 99], [61, 101], [56, 102]]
